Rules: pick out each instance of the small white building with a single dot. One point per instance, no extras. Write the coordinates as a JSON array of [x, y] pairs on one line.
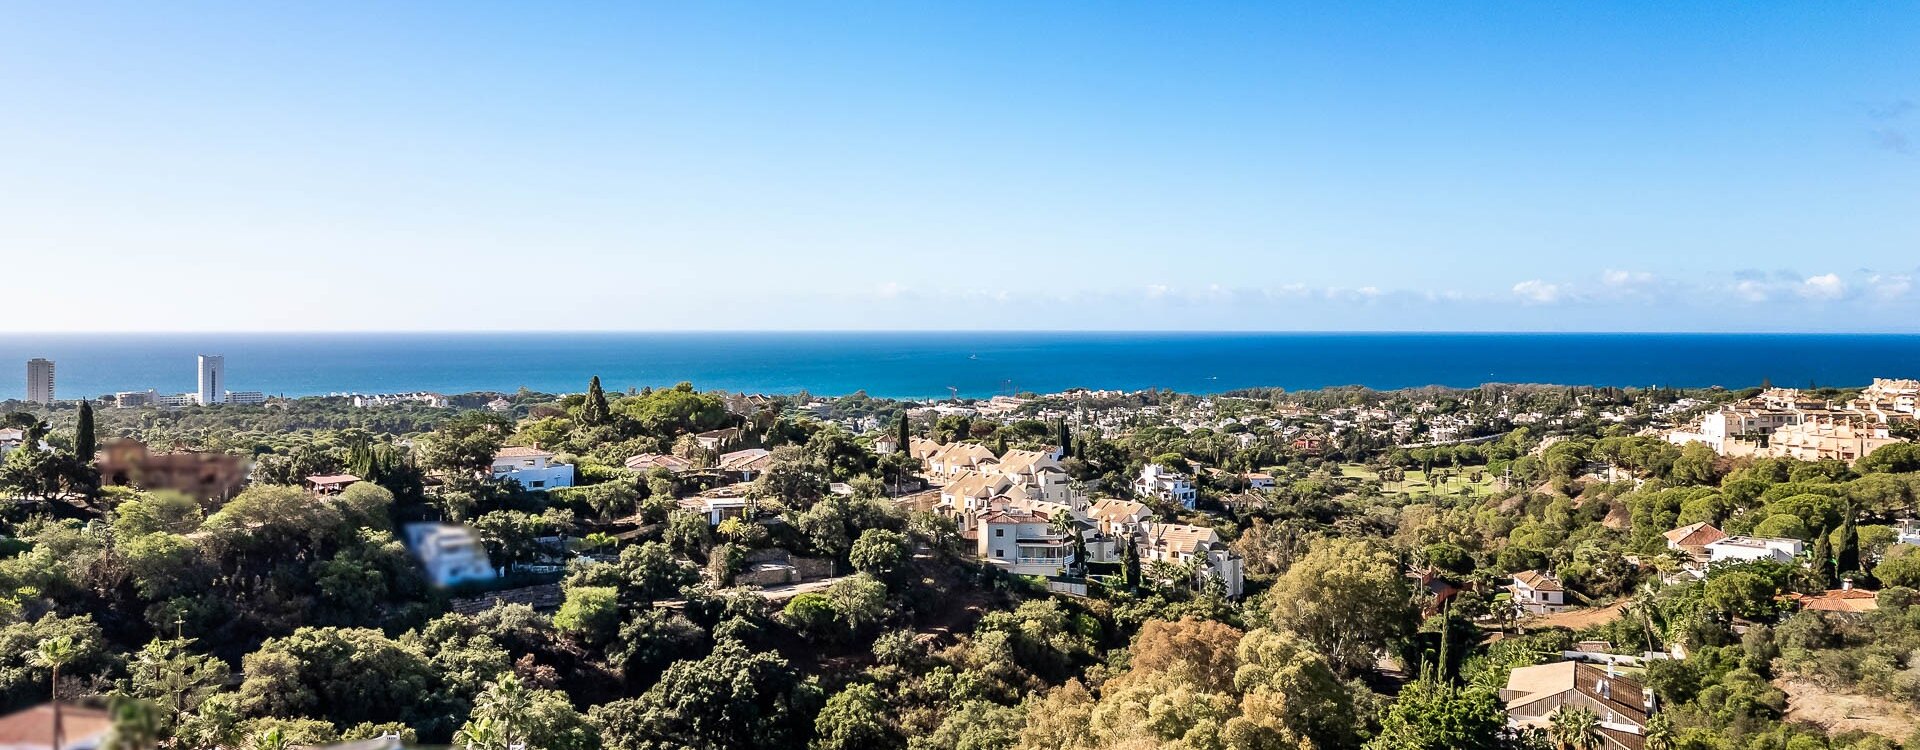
[[451, 554], [1171, 486], [1258, 481], [1739, 549], [1537, 593], [532, 468]]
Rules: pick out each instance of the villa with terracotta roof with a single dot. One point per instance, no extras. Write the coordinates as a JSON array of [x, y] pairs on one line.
[[1622, 705], [1843, 599], [1693, 538], [649, 461], [1538, 593], [747, 463], [1022, 542]]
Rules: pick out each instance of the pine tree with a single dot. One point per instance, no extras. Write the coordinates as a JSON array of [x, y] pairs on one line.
[[83, 440], [595, 410], [906, 435]]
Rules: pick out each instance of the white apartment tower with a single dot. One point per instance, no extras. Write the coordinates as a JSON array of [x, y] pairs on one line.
[[213, 379], [40, 380]]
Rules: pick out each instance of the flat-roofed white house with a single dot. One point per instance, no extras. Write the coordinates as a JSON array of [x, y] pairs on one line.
[[451, 554], [533, 468], [1737, 549], [1537, 593]]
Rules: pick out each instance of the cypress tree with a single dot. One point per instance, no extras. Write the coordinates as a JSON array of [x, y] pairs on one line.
[[1823, 558], [594, 411], [83, 441], [1066, 441], [905, 434], [1847, 558]]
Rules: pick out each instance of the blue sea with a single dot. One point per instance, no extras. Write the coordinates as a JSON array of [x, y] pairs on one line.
[[904, 364]]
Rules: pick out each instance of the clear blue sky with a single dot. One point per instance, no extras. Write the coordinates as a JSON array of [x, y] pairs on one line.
[[816, 165]]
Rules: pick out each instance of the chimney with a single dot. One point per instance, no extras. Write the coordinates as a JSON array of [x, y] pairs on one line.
[[1646, 696], [1603, 687], [1846, 584]]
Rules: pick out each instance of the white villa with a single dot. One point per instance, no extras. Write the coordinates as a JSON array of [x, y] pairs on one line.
[[1537, 593], [532, 468], [451, 554], [1172, 486], [1022, 542]]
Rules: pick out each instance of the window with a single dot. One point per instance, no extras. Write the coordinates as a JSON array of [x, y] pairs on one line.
[[999, 532], [537, 485], [999, 553]]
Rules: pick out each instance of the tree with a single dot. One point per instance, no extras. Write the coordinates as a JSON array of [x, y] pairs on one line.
[[52, 654], [906, 435], [465, 445], [591, 613], [84, 444], [174, 678], [1345, 597], [1575, 728], [858, 601], [594, 410], [732, 697], [1199, 651], [1846, 554], [344, 675], [1063, 438], [136, 724], [1430, 714], [508, 714], [852, 720], [879, 551]]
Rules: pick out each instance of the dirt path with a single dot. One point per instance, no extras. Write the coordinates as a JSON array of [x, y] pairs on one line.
[[1575, 619], [1846, 712]]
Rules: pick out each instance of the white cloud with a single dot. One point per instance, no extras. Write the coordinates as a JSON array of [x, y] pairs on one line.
[[1890, 286], [1753, 290], [890, 290], [1157, 291], [1823, 287], [1626, 279], [1537, 292]]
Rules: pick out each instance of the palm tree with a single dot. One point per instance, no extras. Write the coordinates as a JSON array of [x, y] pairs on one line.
[[1575, 728], [54, 653], [500, 716], [1659, 733]]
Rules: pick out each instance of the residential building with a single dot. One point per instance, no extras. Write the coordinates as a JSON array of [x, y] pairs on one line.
[[423, 398], [213, 379], [1534, 694], [1828, 438], [1119, 518], [330, 484], [178, 399], [246, 398], [747, 464], [200, 475], [1258, 481], [1537, 593], [1845, 599], [720, 503], [499, 405], [130, 399], [532, 468], [1194, 548], [1022, 542], [451, 554], [11, 438], [646, 462], [1170, 486], [40, 380], [81, 728], [1693, 538], [1746, 548], [947, 464], [714, 440], [1040, 473]]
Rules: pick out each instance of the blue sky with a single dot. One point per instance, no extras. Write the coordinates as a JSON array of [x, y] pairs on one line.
[[818, 165]]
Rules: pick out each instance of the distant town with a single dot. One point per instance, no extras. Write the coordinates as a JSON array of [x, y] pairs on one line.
[[1578, 551]]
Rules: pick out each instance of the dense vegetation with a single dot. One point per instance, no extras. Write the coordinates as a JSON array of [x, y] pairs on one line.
[[155, 601]]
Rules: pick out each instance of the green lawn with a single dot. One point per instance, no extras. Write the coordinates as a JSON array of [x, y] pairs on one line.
[[1417, 482]]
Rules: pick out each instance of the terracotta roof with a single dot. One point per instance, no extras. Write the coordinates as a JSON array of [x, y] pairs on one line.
[[1175, 537], [1537, 580], [1113, 510], [666, 461], [1838, 600], [750, 459], [1695, 535], [521, 451], [1624, 696], [33, 727]]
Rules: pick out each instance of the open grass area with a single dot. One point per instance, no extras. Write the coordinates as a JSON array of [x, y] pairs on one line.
[[1417, 482]]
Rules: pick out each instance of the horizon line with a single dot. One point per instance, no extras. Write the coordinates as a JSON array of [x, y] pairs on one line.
[[1105, 331]]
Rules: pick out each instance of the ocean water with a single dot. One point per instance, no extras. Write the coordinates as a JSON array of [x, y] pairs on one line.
[[979, 364]]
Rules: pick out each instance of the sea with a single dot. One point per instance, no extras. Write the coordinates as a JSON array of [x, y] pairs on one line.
[[971, 364]]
